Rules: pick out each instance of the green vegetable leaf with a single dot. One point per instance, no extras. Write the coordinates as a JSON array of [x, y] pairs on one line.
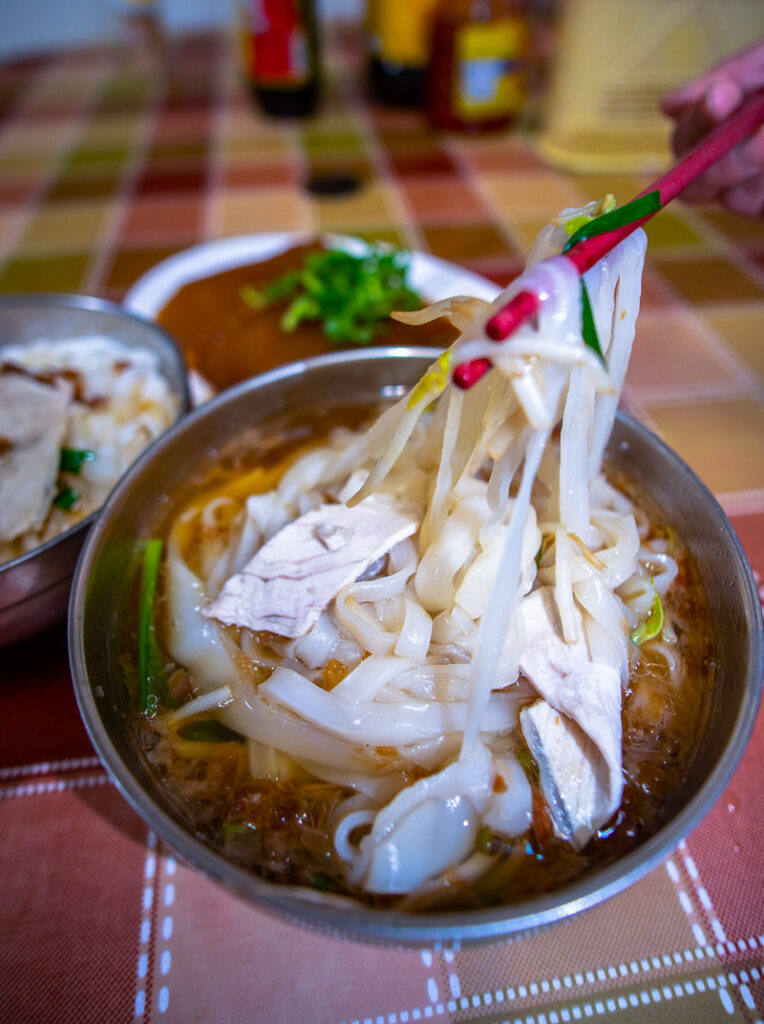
[[150, 666], [73, 459], [350, 296], [209, 730], [253, 297], [66, 498], [322, 882], [652, 625], [633, 211]]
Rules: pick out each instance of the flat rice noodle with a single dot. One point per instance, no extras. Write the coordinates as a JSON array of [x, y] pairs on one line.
[[375, 723], [428, 827], [192, 640], [501, 610]]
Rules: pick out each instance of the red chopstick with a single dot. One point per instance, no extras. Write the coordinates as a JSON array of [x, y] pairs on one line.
[[742, 123]]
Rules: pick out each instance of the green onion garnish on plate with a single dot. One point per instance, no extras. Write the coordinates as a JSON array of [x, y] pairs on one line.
[[350, 296]]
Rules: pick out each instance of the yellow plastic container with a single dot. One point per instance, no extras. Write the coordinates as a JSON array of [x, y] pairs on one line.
[[616, 59]]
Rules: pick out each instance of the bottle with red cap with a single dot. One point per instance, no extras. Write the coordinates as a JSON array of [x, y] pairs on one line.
[[280, 54]]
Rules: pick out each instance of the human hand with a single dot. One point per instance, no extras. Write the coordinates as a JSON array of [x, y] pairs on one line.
[[737, 179]]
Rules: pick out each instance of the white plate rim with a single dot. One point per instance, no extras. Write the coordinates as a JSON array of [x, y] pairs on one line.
[[433, 278]]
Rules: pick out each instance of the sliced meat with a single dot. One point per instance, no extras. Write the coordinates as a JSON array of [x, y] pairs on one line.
[[574, 733], [571, 771], [32, 427], [293, 577]]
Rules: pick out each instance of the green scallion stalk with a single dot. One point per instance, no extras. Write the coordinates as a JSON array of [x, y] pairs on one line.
[[529, 766], [209, 730], [149, 661], [653, 624]]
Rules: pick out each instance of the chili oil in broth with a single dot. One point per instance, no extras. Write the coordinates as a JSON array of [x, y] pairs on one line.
[[227, 340], [279, 830]]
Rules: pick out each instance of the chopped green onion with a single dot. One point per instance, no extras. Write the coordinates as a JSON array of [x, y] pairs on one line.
[[66, 498], [322, 881], [150, 667], [529, 766], [588, 326], [253, 297], [73, 459], [236, 829], [628, 214], [350, 296], [652, 625], [484, 840], [209, 730]]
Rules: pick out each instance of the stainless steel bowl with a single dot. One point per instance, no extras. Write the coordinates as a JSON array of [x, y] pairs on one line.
[[359, 378], [34, 588]]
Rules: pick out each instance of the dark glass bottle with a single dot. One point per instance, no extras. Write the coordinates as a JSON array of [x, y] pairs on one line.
[[477, 69], [399, 33], [281, 55]]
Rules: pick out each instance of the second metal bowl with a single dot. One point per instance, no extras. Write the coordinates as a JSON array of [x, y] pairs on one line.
[[358, 379], [34, 588]]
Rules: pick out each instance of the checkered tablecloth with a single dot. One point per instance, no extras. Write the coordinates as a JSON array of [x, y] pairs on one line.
[[110, 160]]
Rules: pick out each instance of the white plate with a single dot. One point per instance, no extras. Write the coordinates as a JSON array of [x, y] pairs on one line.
[[430, 277]]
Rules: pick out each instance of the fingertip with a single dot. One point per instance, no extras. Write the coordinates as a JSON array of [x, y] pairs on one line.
[[722, 98]]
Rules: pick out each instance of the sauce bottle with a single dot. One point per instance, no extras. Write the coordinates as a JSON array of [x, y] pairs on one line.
[[399, 36], [280, 55], [477, 69]]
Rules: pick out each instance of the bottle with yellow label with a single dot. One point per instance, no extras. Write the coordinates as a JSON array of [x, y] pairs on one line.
[[399, 46], [477, 68]]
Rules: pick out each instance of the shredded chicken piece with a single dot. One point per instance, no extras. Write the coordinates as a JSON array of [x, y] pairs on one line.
[[32, 426], [293, 577]]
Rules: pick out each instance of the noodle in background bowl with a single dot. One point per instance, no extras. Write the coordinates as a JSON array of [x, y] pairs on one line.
[[363, 378], [34, 587]]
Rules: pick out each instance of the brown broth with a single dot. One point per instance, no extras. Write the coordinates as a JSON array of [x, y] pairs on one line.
[[280, 830], [226, 340]]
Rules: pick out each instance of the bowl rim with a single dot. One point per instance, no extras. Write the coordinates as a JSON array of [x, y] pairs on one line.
[[162, 282], [344, 917], [71, 300]]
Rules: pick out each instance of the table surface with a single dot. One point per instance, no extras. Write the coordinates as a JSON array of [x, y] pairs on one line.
[[110, 160]]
